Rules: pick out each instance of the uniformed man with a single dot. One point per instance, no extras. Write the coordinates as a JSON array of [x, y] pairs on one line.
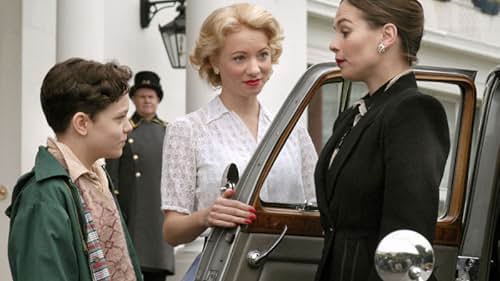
[[136, 176]]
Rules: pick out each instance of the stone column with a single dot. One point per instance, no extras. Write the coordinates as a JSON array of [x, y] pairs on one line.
[[80, 29]]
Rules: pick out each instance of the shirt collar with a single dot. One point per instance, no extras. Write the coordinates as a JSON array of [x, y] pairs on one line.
[[396, 78], [137, 119], [405, 79], [216, 109], [70, 161], [46, 166]]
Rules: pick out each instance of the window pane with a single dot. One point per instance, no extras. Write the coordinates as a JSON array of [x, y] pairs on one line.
[[296, 183]]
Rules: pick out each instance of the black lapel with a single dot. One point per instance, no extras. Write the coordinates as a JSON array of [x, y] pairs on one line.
[[376, 105], [324, 160], [320, 176], [339, 128]]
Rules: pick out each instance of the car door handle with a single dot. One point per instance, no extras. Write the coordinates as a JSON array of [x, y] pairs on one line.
[[255, 258]]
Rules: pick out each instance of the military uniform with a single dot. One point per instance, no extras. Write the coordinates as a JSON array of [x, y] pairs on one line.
[[136, 175]]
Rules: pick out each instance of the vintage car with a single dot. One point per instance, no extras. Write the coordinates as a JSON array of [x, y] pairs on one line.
[[285, 241]]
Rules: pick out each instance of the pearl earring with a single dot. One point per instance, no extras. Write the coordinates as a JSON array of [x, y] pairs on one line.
[[381, 48], [216, 71]]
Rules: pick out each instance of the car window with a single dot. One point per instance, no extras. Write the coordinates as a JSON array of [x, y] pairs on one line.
[[325, 106], [290, 179]]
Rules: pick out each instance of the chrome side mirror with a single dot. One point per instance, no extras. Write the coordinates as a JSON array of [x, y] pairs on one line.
[[404, 255]]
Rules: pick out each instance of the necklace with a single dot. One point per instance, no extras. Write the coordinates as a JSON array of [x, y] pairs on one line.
[[396, 78]]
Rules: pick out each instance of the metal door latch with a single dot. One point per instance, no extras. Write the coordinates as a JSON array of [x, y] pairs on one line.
[[255, 258], [307, 206]]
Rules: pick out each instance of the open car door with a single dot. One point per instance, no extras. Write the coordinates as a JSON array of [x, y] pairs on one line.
[[286, 240], [479, 254]]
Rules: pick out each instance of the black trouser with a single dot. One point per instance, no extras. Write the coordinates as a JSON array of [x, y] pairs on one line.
[[154, 275]]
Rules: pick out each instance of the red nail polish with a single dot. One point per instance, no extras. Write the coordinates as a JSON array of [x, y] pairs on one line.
[[252, 209], [247, 221], [252, 216]]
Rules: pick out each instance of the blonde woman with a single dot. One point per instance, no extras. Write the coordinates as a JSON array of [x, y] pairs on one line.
[[235, 51]]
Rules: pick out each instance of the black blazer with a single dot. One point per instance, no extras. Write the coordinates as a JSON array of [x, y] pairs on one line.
[[385, 177]]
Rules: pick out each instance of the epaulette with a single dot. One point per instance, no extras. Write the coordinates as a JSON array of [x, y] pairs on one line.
[[159, 122], [134, 124]]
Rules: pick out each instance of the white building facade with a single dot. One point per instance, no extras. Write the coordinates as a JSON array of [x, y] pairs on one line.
[[34, 35]]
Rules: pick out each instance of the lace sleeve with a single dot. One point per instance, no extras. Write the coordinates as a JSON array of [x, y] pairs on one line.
[[178, 177]]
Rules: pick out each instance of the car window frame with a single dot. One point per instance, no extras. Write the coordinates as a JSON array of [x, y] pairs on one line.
[[448, 227]]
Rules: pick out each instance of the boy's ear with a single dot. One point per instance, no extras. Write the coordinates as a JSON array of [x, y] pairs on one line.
[[80, 123]]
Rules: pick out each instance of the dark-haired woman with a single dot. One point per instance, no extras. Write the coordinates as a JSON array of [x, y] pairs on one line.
[[380, 170]]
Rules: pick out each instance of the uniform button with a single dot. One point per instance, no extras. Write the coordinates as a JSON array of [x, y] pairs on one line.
[[135, 157], [131, 140], [138, 174], [330, 229]]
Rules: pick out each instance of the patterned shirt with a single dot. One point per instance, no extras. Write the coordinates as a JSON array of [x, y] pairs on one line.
[[199, 146], [93, 185]]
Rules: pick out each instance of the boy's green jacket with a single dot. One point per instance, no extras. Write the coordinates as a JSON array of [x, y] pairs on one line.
[[46, 236]]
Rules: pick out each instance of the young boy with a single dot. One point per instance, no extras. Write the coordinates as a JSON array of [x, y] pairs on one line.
[[65, 223]]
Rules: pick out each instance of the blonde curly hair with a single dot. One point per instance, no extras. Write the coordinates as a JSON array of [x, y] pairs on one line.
[[227, 20]]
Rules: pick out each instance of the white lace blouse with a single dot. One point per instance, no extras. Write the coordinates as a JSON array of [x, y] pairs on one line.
[[198, 147]]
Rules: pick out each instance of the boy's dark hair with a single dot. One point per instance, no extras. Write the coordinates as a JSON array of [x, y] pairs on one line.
[[78, 85]]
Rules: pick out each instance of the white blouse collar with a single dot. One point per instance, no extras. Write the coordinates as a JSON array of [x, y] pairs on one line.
[[216, 109]]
